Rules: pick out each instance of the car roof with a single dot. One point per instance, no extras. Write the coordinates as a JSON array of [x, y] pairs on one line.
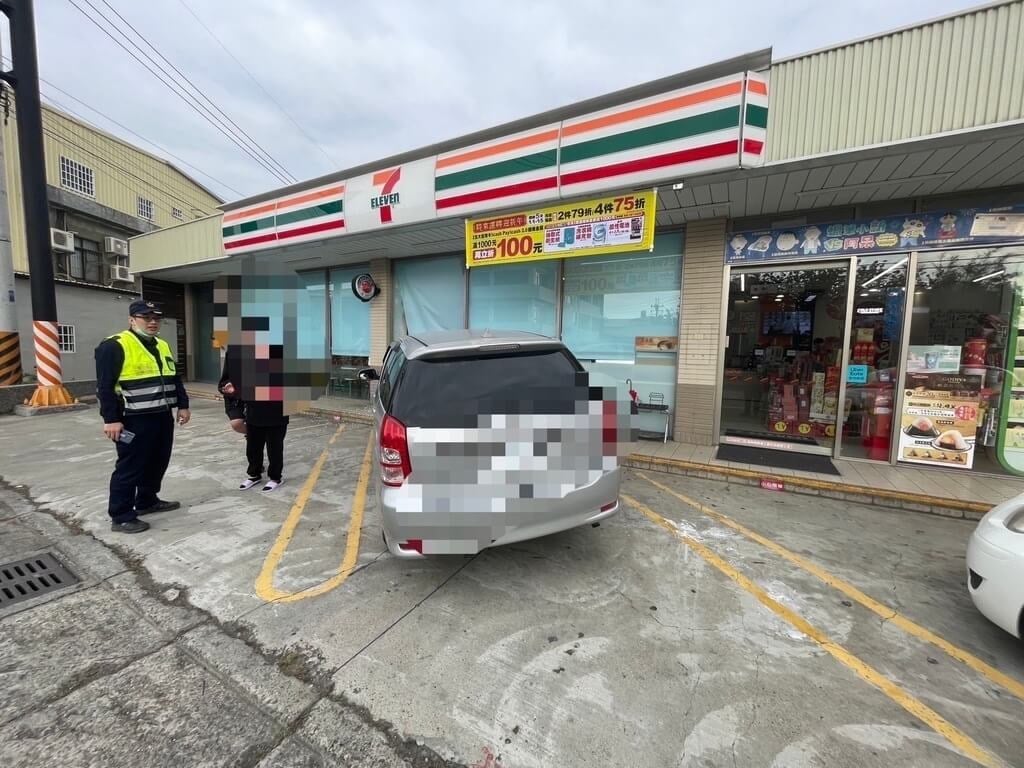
[[472, 340]]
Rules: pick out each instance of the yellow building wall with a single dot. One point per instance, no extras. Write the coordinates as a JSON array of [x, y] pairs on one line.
[[188, 243], [122, 173]]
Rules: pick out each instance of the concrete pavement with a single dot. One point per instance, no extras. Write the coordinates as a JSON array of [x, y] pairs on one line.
[[637, 643]]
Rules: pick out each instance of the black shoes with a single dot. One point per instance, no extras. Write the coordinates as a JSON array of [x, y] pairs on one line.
[[131, 526], [160, 506]]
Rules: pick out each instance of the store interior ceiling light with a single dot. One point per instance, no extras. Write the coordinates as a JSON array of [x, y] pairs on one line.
[[988, 277], [885, 272], [678, 185]]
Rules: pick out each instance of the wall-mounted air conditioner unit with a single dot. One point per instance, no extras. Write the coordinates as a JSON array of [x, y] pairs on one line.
[[119, 273], [61, 241], [115, 245]]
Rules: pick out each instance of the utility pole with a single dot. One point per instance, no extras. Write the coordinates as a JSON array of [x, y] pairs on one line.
[[10, 343], [24, 79]]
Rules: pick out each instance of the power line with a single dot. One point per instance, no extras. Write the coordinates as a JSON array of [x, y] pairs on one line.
[[124, 128], [310, 139], [187, 98], [152, 186], [180, 91], [198, 90]]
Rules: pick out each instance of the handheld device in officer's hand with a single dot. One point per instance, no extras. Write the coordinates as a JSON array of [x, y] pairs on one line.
[[126, 437]]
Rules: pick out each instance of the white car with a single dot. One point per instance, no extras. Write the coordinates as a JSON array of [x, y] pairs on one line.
[[995, 566]]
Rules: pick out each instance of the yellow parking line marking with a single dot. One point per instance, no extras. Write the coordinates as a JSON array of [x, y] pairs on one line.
[[917, 708], [888, 613], [265, 581]]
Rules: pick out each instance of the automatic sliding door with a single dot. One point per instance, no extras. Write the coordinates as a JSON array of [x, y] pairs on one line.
[[786, 333]]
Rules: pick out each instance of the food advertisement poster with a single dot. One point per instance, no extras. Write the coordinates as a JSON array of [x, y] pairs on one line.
[[603, 225], [913, 231], [939, 422], [656, 343]]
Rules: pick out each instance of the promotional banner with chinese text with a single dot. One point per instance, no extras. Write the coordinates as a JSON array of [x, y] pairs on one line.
[[603, 225]]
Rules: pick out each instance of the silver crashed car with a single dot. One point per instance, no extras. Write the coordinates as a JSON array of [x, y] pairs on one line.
[[488, 438]]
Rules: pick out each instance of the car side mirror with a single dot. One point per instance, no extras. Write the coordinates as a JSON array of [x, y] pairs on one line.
[[367, 374]]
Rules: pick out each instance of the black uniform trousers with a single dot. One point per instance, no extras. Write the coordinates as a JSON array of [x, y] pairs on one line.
[[141, 464], [270, 437]]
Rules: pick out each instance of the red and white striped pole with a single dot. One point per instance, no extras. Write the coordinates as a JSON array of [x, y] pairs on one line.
[[48, 369], [24, 79]]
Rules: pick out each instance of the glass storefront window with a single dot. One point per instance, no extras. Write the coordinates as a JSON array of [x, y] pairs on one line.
[[429, 295], [962, 378], [872, 376], [350, 317], [783, 362], [311, 322], [620, 317], [515, 297]]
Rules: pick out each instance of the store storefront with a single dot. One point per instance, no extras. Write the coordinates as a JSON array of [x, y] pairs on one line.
[[617, 311], [890, 340]]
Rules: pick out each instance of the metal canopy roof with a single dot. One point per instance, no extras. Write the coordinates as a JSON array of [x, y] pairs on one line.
[[939, 166]]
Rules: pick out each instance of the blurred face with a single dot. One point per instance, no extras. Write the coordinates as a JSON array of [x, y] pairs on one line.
[[147, 324]]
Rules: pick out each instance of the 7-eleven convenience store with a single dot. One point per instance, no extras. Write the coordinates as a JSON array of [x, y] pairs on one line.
[[720, 244]]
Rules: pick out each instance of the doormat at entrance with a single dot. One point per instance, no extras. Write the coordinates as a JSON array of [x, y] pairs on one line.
[[765, 457]]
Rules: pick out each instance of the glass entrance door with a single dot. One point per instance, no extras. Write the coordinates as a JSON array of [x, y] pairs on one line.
[[873, 373], [785, 332]]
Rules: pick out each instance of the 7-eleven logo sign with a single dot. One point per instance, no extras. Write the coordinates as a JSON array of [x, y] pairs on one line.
[[388, 197]]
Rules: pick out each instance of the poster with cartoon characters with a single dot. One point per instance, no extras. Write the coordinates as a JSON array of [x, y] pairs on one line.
[[915, 231]]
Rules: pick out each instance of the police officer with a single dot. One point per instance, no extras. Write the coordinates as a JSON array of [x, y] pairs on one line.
[[137, 385]]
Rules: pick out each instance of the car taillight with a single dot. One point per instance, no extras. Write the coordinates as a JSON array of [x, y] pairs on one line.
[[609, 429], [415, 545], [395, 465]]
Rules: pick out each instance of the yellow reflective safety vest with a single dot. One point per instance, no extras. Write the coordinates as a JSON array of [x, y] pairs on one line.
[[142, 385]]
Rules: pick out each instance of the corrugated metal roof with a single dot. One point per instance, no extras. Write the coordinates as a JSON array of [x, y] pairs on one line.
[[957, 73]]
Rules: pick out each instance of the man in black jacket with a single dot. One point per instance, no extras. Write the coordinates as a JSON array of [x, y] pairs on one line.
[[138, 386], [264, 425]]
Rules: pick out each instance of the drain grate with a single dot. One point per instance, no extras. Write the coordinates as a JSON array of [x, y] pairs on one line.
[[32, 577]]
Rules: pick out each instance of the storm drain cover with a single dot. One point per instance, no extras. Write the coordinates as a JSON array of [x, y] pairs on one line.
[[32, 577]]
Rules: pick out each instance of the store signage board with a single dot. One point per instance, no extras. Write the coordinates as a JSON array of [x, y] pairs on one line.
[[613, 224], [403, 194], [912, 232], [687, 132], [939, 422]]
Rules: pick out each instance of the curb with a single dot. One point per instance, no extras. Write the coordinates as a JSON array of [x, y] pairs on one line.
[[966, 510]]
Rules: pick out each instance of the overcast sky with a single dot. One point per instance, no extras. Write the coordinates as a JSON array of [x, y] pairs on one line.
[[367, 80]]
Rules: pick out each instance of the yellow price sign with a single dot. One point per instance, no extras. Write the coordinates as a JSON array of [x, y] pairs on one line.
[[780, 426], [805, 429], [613, 224]]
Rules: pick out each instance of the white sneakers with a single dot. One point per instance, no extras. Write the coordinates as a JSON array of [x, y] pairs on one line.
[[249, 482]]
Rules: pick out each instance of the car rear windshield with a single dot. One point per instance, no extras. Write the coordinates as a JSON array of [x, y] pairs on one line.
[[452, 392]]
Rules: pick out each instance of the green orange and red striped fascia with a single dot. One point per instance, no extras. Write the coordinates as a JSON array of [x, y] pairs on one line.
[[258, 224], [551, 158]]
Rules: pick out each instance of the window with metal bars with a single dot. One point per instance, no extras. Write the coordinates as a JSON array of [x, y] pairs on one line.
[[77, 177]]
